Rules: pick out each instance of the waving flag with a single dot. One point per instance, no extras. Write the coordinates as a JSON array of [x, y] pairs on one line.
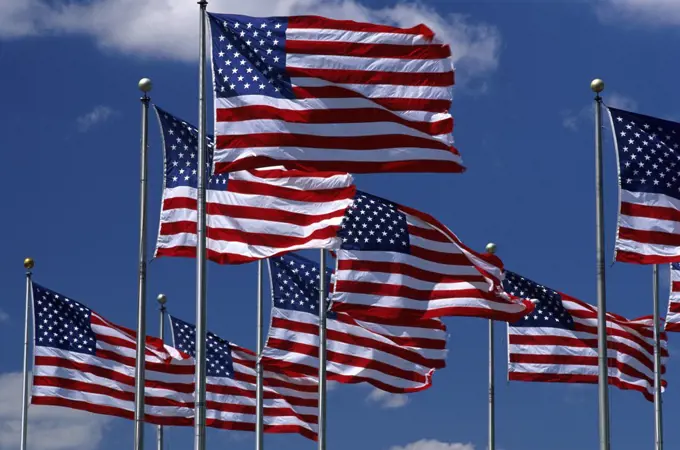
[[396, 262], [393, 356], [673, 316], [316, 93], [558, 342], [290, 404], [649, 184], [256, 214]]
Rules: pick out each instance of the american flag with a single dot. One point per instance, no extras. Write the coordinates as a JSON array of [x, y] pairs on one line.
[[398, 262], [649, 180], [673, 316], [290, 404], [256, 214], [311, 92], [397, 357], [558, 342]]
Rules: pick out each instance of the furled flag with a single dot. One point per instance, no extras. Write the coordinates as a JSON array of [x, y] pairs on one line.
[[649, 184], [290, 404], [558, 342], [394, 356], [398, 262], [255, 215], [311, 92], [673, 316]]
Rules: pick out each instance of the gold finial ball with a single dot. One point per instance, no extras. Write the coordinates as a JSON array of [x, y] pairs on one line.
[[145, 85], [491, 248], [29, 263], [162, 299], [597, 85]]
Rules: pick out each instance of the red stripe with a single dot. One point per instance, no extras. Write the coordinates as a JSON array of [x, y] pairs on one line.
[[329, 116], [185, 251], [459, 311], [393, 104], [650, 237], [346, 76], [650, 212], [405, 341], [414, 165], [363, 50], [307, 22], [401, 291], [299, 195], [672, 326], [399, 268], [639, 258]]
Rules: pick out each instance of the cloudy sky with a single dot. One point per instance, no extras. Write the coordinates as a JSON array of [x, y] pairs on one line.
[[523, 109]]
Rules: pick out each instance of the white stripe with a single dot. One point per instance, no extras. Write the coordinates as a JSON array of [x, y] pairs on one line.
[[381, 90], [390, 302], [362, 37], [395, 65]]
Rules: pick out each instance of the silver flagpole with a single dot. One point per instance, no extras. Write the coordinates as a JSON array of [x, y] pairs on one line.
[[28, 265], [162, 300], [658, 424], [491, 248], [259, 399], [201, 301], [145, 87], [322, 351], [597, 86]]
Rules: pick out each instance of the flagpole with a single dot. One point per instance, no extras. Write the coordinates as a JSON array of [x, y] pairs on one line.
[[28, 265], [145, 87], [201, 301], [491, 248], [322, 351], [162, 300], [658, 424], [259, 400], [597, 86]]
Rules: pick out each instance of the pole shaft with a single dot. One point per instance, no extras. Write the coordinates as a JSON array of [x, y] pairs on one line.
[[259, 399], [492, 399], [658, 423], [159, 435], [141, 288], [201, 306], [322, 351], [24, 388], [603, 379]]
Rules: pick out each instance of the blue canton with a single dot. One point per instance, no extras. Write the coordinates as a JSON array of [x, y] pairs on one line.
[[373, 223], [295, 283], [61, 322], [180, 140], [549, 311], [219, 362], [675, 266], [249, 56], [649, 153]]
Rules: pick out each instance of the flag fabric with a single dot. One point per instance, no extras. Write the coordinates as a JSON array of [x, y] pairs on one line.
[[290, 404], [311, 92], [673, 316], [648, 151], [252, 215], [394, 356], [396, 262], [558, 342]]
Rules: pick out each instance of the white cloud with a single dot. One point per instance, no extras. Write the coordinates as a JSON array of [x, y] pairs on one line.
[[649, 12], [4, 317], [168, 29], [49, 427], [97, 115], [573, 120], [431, 444], [387, 399]]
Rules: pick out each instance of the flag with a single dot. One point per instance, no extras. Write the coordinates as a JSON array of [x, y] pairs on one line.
[[648, 151], [84, 362], [256, 214], [673, 316], [558, 342], [290, 404], [394, 356], [311, 92], [398, 262]]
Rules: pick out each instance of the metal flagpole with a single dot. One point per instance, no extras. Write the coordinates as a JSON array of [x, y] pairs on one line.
[[322, 351], [658, 425], [491, 248], [145, 87], [201, 306], [162, 300], [28, 265], [259, 398], [597, 86]]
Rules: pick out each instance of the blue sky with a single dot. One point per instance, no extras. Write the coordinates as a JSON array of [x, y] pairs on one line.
[[523, 110]]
